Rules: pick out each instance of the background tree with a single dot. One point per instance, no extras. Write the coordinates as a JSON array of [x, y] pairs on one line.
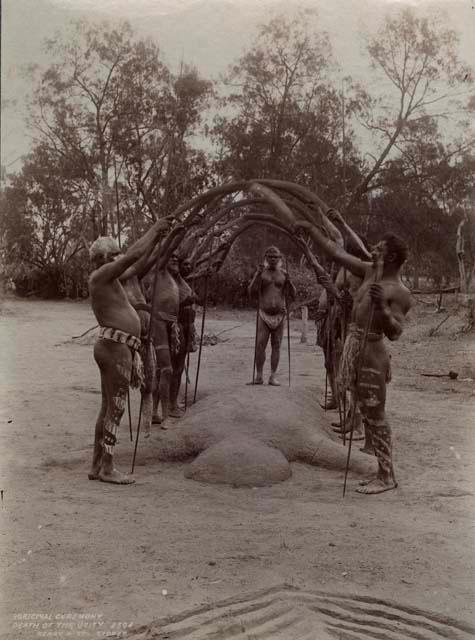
[[416, 59], [282, 115], [42, 228]]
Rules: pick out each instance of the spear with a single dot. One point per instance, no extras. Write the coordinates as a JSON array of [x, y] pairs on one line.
[[187, 368], [205, 304], [130, 415], [288, 316], [378, 274], [149, 339], [255, 340]]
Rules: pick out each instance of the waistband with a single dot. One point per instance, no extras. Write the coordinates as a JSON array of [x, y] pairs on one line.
[[116, 335], [166, 317], [358, 332]]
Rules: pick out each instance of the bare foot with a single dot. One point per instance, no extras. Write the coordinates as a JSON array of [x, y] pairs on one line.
[[274, 382], [93, 474], [368, 450], [115, 477], [156, 419], [376, 486], [176, 412], [356, 436], [256, 381], [329, 405], [338, 428], [363, 483]]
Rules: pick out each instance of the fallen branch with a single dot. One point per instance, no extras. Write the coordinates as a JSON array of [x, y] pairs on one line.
[[454, 289], [230, 329], [83, 334], [453, 375]]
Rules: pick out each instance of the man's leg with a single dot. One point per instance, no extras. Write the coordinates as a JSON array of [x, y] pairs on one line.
[[368, 440], [150, 366], [275, 342], [178, 365], [156, 418], [98, 435], [116, 367], [261, 345], [331, 400], [352, 413], [372, 396], [162, 350]]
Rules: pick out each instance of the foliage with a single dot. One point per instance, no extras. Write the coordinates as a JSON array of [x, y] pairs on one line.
[[416, 59], [42, 228], [282, 115], [119, 140]]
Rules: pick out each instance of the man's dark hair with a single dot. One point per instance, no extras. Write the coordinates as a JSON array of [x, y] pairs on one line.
[[397, 247]]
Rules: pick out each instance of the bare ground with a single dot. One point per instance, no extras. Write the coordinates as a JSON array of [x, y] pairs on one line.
[[129, 555]]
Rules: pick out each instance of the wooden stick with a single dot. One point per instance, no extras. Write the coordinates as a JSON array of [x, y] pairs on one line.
[[130, 415], [205, 303], [255, 340], [288, 317], [379, 268], [149, 339], [187, 369]]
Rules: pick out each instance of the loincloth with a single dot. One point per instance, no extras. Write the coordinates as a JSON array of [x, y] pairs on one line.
[[273, 322], [149, 359], [174, 332], [321, 325], [350, 357], [134, 344]]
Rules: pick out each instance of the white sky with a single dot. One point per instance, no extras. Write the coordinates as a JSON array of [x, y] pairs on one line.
[[210, 34]]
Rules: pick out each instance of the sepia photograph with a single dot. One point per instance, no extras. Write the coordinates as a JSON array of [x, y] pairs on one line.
[[237, 319]]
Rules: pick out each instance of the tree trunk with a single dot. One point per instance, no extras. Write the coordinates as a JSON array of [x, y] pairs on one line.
[[459, 249], [415, 279], [303, 337], [107, 226]]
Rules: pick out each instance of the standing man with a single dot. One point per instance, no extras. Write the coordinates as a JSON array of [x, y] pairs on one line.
[[166, 334], [186, 322], [325, 340], [274, 290], [117, 349], [379, 307]]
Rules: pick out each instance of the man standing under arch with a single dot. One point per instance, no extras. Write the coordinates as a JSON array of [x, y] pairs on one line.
[[274, 288]]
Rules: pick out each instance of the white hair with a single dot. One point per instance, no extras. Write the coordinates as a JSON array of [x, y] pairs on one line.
[[101, 246]]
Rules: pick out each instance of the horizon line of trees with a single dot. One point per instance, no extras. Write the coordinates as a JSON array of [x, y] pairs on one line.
[[119, 140]]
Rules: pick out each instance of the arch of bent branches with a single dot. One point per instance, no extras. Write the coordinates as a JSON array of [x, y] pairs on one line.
[[207, 226]]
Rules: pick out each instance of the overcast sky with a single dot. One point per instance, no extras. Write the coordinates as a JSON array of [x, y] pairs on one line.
[[210, 34]]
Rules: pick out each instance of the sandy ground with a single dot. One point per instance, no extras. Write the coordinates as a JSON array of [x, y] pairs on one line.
[[128, 555]]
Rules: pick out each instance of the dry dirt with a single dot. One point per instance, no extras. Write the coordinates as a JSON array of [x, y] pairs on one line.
[[126, 556]]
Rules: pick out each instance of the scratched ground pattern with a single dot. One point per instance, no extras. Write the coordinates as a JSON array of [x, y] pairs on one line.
[[288, 613]]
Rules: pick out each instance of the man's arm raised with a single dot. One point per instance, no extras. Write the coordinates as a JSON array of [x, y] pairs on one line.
[[115, 269], [355, 265], [335, 216], [143, 264]]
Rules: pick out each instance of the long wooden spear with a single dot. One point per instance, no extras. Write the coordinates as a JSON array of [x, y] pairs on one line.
[[255, 340], [288, 315], [149, 339], [369, 322], [205, 304]]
